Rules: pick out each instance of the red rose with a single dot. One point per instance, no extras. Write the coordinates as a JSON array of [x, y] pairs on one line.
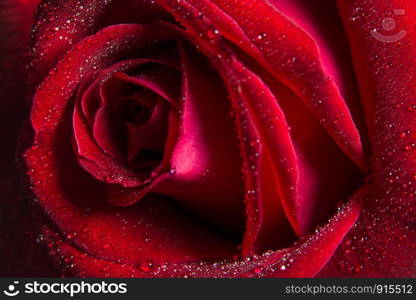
[[209, 138]]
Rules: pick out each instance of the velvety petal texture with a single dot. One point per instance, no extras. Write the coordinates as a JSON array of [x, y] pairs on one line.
[[383, 243], [20, 255], [210, 138]]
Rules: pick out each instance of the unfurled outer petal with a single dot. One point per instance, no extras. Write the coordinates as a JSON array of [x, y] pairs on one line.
[[19, 252], [383, 243], [304, 259], [258, 113]]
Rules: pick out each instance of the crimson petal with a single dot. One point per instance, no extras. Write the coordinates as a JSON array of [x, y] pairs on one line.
[[269, 125], [59, 25], [383, 244], [304, 259], [19, 252], [259, 29]]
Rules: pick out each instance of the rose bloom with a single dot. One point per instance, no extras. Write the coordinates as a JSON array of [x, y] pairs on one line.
[[208, 138]]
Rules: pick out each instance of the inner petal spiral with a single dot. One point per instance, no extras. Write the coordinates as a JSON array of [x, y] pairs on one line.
[[122, 116]]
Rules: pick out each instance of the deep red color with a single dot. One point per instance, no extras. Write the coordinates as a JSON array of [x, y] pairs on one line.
[[207, 138]]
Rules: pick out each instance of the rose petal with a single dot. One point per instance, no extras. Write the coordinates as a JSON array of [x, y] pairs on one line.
[[259, 29], [85, 117], [246, 89], [383, 244], [323, 25], [61, 25], [20, 255], [304, 259], [108, 127], [205, 161]]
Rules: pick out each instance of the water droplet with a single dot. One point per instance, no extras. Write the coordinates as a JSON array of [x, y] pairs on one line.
[[409, 147], [404, 134], [212, 33], [411, 108], [146, 266], [70, 236], [261, 36]]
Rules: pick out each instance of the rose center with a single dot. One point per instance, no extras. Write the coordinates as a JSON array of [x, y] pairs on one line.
[[125, 110]]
